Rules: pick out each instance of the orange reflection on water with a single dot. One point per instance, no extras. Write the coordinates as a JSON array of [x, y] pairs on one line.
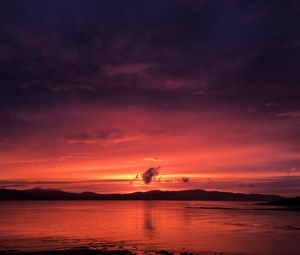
[[151, 225]]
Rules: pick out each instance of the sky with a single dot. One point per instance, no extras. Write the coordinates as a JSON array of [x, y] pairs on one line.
[[124, 96]]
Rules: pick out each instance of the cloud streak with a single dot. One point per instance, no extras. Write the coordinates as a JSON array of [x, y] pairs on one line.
[[105, 137]]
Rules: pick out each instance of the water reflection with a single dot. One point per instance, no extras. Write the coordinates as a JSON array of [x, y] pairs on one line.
[[149, 226], [169, 225]]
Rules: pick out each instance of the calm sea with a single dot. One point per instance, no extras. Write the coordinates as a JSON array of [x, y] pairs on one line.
[[149, 225]]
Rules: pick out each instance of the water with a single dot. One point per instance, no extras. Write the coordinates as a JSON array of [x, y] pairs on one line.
[[149, 225]]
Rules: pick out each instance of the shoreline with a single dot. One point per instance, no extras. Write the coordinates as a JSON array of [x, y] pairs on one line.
[[92, 251]]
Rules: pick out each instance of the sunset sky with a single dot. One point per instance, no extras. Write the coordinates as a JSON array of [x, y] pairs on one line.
[[94, 93]]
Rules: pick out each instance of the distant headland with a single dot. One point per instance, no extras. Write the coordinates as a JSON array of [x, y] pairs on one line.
[[197, 194]]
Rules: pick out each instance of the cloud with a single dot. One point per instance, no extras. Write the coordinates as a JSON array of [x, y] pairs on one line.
[[136, 178], [153, 159], [247, 185], [148, 175], [27, 161], [105, 137], [91, 62], [65, 74], [127, 69], [292, 114], [100, 186], [185, 180], [154, 132]]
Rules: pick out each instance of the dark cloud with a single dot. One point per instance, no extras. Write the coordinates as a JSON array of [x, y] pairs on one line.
[[185, 180], [149, 174], [77, 50], [103, 136]]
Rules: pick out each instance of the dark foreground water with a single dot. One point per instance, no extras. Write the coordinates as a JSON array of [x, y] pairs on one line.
[[149, 226]]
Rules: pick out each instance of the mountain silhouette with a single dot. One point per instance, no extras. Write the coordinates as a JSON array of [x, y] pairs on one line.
[[197, 194]]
